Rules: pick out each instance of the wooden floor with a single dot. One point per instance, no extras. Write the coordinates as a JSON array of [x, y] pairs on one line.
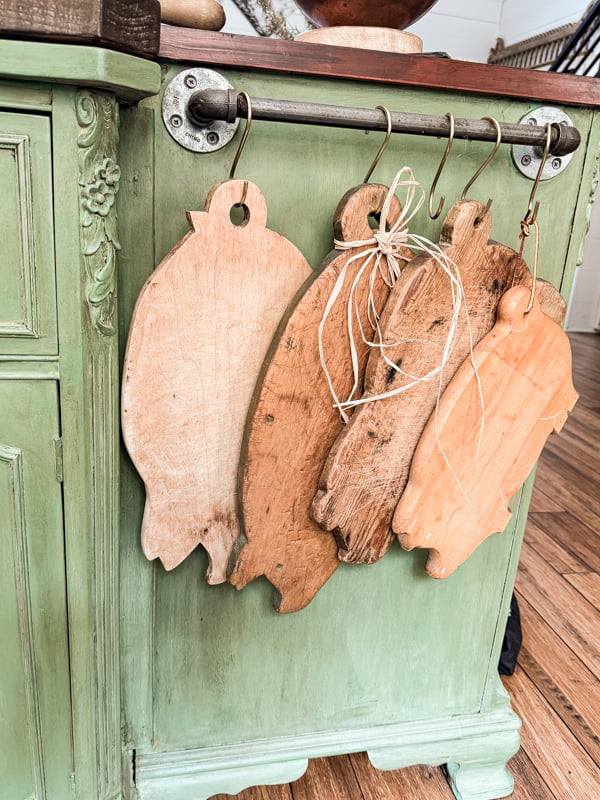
[[556, 687]]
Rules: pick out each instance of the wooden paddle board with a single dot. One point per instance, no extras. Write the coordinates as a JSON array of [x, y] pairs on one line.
[[367, 468], [293, 422], [464, 473], [200, 331]]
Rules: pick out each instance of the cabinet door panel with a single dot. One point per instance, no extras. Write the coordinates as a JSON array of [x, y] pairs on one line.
[[35, 752], [28, 297]]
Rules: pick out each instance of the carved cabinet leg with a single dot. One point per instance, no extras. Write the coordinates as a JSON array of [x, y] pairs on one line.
[[480, 780]]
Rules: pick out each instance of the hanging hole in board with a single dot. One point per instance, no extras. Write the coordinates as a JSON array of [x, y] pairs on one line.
[[239, 215], [374, 220]]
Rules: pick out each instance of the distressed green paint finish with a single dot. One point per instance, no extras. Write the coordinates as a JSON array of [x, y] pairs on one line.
[[583, 210], [384, 659], [84, 144], [338, 159], [135, 202], [28, 297], [34, 690], [129, 77], [59, 174], [99, 176], [35, 97], [494, 692], [207, 667], [197, 774]]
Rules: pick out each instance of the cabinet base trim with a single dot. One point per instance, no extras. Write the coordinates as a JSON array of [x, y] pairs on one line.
[[489, 738]]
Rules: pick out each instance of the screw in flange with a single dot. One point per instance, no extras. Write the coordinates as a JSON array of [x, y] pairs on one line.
[[176, 121], [556, 163], [526, 160], [212, 138], [190, 81]]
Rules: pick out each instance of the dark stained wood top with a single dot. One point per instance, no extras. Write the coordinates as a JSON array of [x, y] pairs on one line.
[[279, 55], [129, 25]]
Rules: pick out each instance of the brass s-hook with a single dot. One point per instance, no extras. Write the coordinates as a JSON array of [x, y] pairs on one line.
[[530, 217], [241, 145], [486, 162], [439, 171], [381, 150]]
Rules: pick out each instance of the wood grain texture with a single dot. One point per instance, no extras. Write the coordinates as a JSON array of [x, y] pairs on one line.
[[132, 25], [542, 503], [200, 329], [328, 779], [259, 53], [567, 686], [571, 772], [575, 539], [387, 40], [471, 461], [588, 585], [367, 468], [529, 784], [202, 14], [293, 422], [278, 792], [562, 560], [574, 619], [413, 783]]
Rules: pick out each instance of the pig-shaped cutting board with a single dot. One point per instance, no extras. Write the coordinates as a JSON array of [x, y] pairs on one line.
[[293, 421], [367, 468], [200, 331], [486, 434]]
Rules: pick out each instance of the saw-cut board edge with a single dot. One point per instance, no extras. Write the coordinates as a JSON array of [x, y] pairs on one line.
[[472, 458], [201, 326], [293, 422]]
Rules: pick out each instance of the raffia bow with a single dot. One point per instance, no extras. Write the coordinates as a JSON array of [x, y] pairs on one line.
[[382, 257]]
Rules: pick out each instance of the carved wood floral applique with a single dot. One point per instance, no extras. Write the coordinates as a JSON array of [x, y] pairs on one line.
[[99, 176]]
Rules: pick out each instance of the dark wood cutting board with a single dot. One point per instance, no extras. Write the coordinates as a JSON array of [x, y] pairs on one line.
[[293, 423], [367, 468]]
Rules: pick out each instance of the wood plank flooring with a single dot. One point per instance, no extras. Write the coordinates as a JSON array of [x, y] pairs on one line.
[[556, 687]]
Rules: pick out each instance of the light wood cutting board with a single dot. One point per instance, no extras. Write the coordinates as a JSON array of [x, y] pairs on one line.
[[200, 331], [367, 468], [293, 423], [463, 476]]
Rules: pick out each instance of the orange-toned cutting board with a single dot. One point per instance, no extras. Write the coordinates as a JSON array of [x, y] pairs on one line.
[[460, 481], [293, 422], [200, 331], [368, 465]]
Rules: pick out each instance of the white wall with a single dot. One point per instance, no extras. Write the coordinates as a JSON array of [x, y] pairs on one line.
[[462, 28], [467, 30], [521, 19], [236, 21], [584, 306]]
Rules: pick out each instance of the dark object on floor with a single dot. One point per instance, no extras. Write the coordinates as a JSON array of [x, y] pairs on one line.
[[512, 640]]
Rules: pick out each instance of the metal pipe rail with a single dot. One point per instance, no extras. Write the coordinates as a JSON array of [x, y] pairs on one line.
[[207, 105]]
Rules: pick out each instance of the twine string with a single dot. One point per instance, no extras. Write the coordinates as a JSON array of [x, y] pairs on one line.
[[382, 259]]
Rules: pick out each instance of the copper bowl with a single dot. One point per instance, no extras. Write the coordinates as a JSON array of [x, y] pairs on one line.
[[380, 13]]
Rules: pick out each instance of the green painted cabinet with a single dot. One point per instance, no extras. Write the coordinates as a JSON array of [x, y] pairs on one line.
[[35, 736], [59, 680], [169, 688], [220, 691], [28, 299]]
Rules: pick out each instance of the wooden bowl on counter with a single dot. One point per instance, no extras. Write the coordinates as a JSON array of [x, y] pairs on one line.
[[382, 13]]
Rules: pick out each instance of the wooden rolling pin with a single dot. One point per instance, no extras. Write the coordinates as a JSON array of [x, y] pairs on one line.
[[207, 15]]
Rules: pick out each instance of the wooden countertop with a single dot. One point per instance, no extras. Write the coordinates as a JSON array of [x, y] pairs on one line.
[[280, 55]]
